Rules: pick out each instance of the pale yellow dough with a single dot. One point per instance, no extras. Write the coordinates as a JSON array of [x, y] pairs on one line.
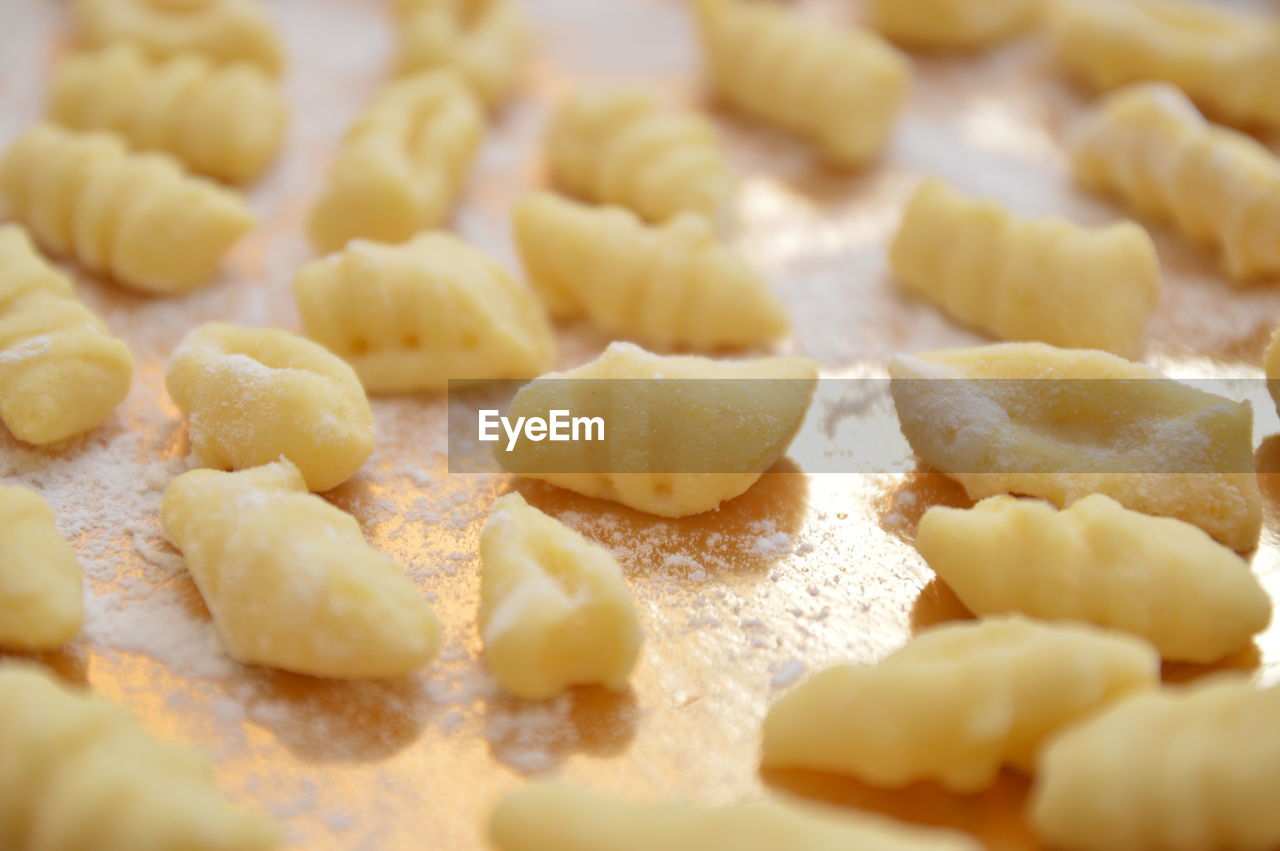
[[224, 121], [290, 580], [667, 453], [137, 217], [839, 88], [674, 286], [620, 145], [402, 164], [956, 703], [555, 611], [61, 372], [80, 774], [958, 24], [1154, 577], [1147, 145], [993, 418], [487, 42], [41, 602], [1043, 279], [414, 316], [253, 395], [1188, 769], [1271, 366], [545, 817]]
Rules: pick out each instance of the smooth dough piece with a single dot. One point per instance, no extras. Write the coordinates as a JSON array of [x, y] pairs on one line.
[[674, 286], [80, 774], [1226, 61], [956, 703], [61, 372], [1147, 145], [487, 42], [993, 419], [1271, 366], [541, 817], [840, 89], [959, 24], [411, 317], [1188, 769], [223, 30], [1154, 577], [253, 395], [555, 611], [1043, 279], [137, 217], [401, 165], [290, 580], [224, 121], [620, 145], [666, 452], [41, 601]]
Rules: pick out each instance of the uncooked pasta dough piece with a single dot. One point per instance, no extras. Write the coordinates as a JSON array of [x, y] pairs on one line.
[[137, 217], [1034, 420], [486, 41], [1043, 279], [290, 580], [1155, 577], [80, 773], [61, 372], [1188, 769], [674, 286], [253, 395], [555, 611], [962, 24], [414, 316], [41, 602], [1271, 365], [957, 702]]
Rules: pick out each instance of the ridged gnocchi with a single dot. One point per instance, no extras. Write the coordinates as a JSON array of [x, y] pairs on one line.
[[682, 434], [79, 772], [486, 41], [621, 146], [401, 165], [1098, 562], [1147, 145], [963, 24], [956, 703], [544, 816], [290, 580], [1225, 61], [1060, 424], [61, 372], [555, 611], [41, 602], [137, 217], [224, 121], [223, 30], [840, 89], [252, 395], [1188, 769], [413, 316], [1043, 279], [674, 286]]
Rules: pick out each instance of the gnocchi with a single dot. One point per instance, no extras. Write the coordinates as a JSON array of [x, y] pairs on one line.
[[79, 772], [1271, 366], [1098, 562], [290, 580], [61, 373], [956, 702], [41, 604], [963, 24], [1060, 424], [411, 317], [1027, 279], [253, 395], [620, 146], [675, 286], [1147, 145], [486, 41], [555, 611], [840, 89], [137, 217], [224, 121]]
